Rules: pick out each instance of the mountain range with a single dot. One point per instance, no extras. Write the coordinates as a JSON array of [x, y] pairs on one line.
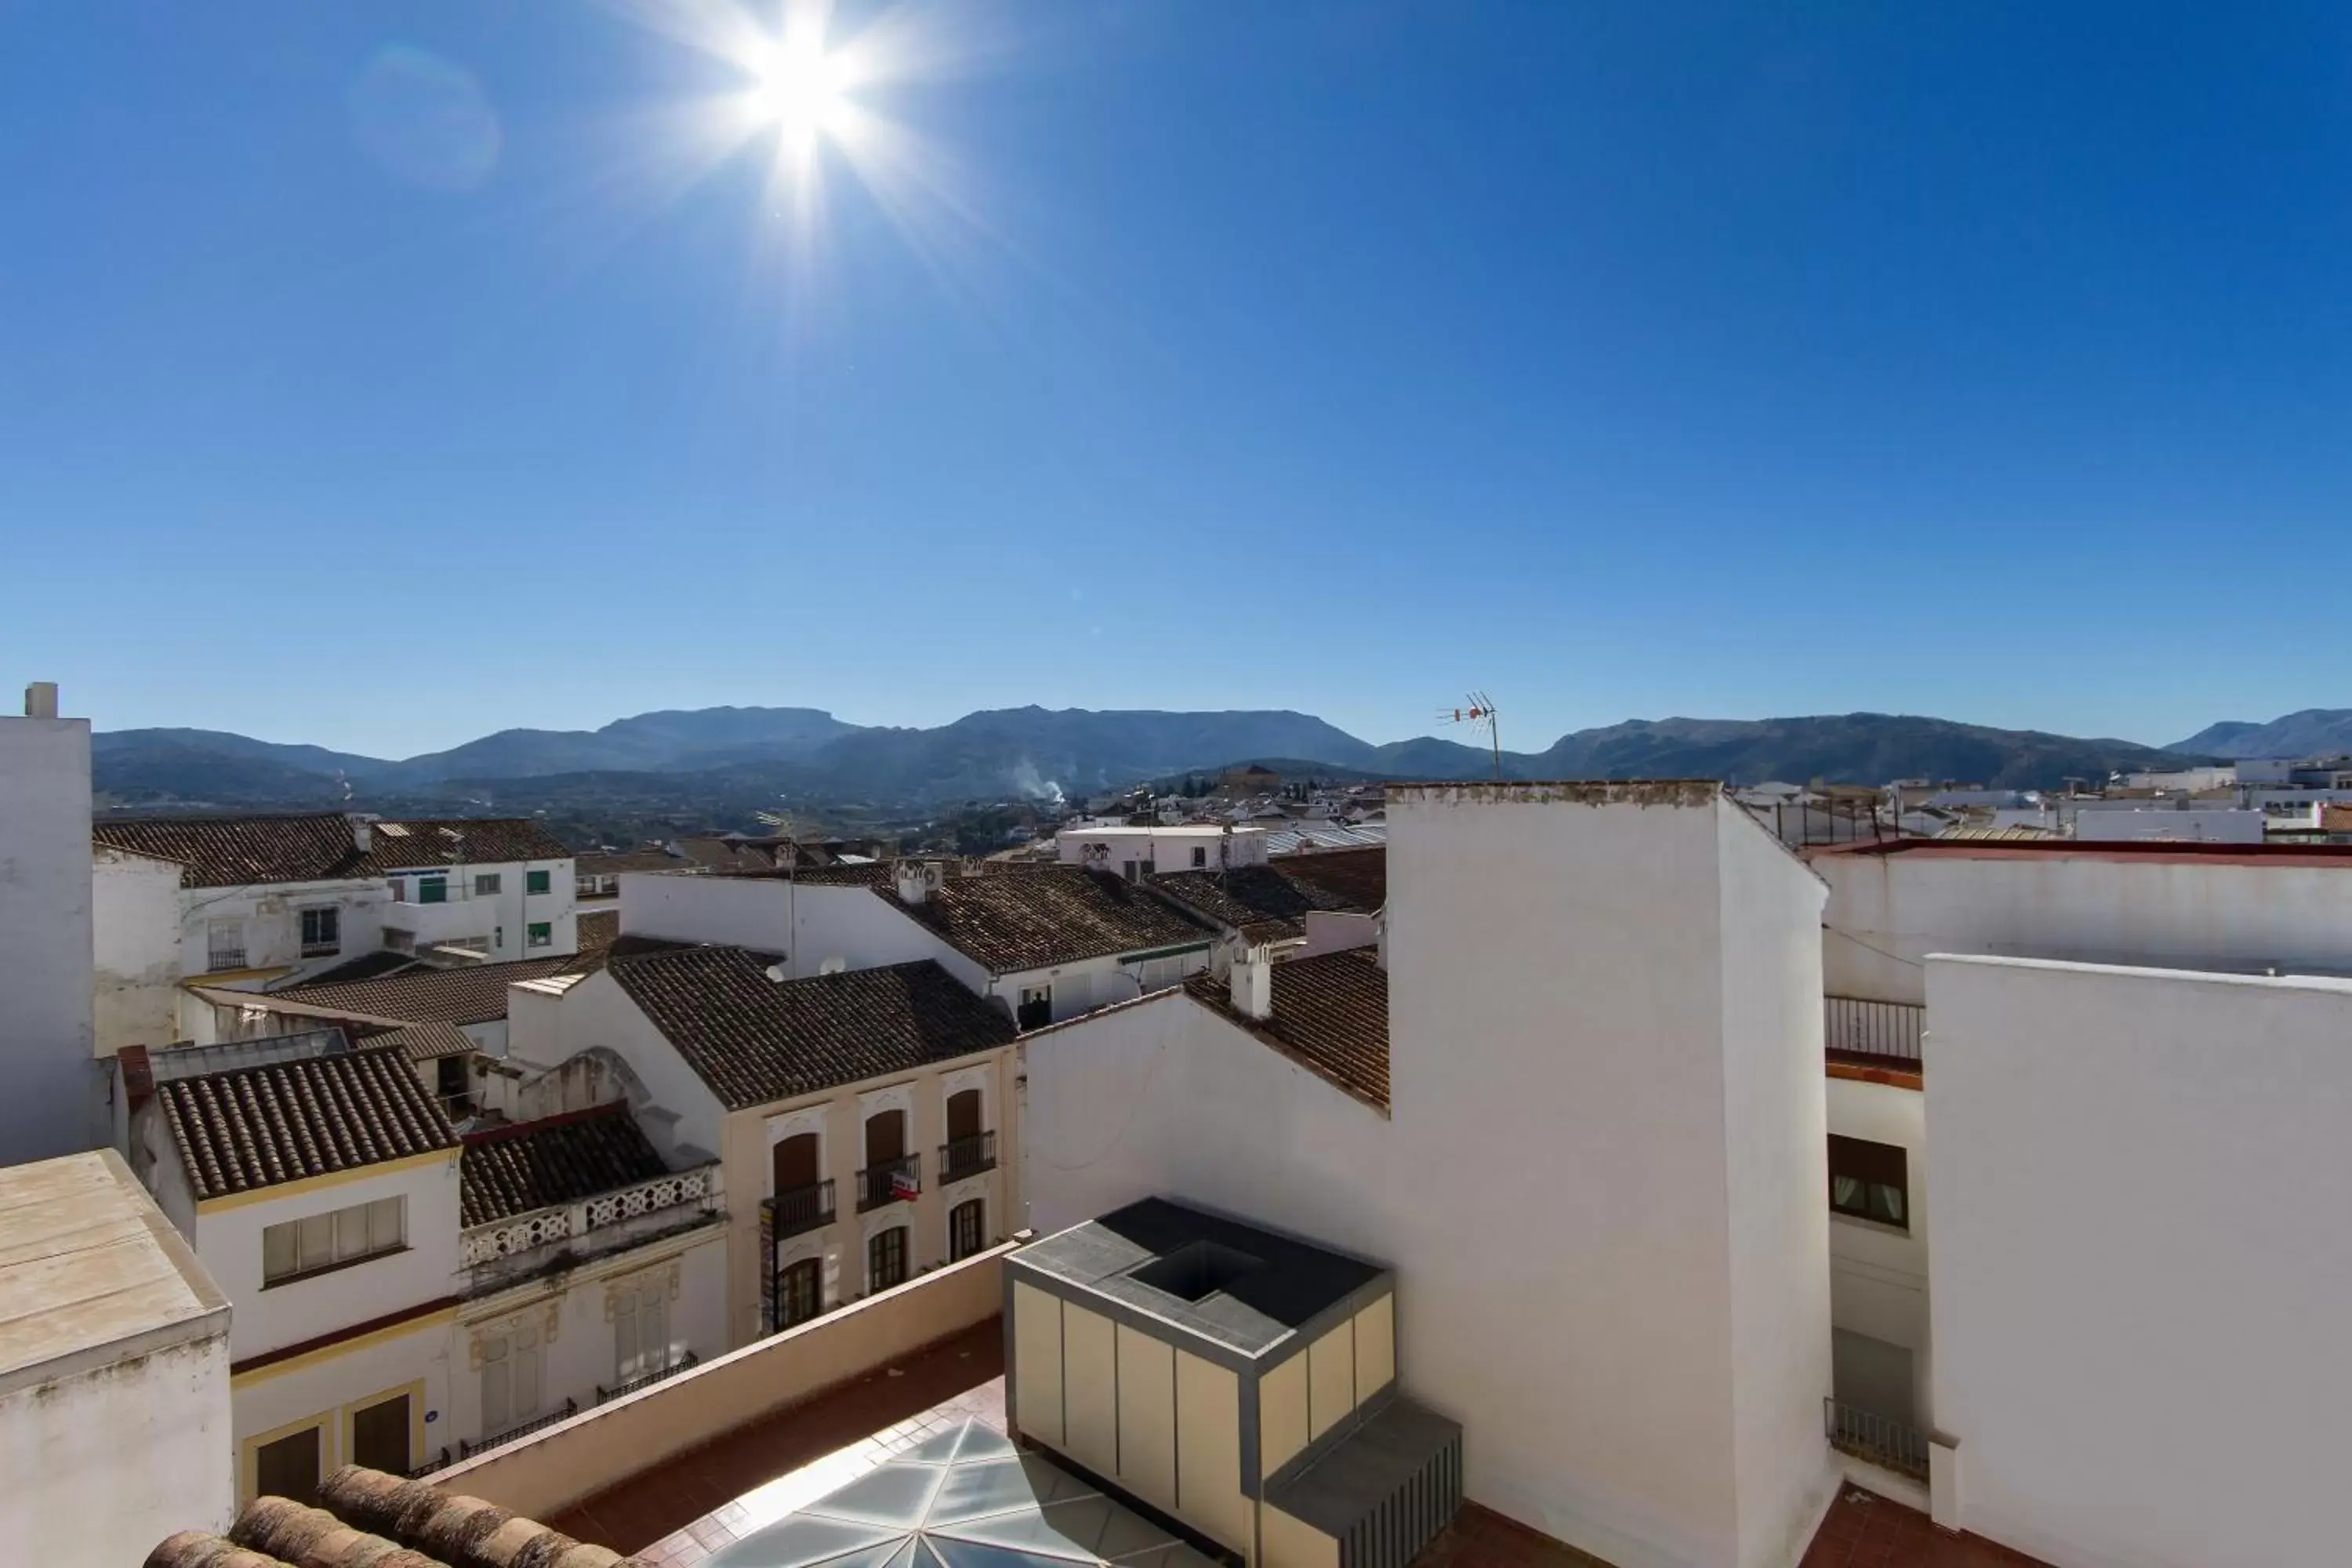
[[2313, 732], [1034, 752]]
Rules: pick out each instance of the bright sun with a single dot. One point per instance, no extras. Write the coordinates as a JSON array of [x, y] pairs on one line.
[[801, 88]]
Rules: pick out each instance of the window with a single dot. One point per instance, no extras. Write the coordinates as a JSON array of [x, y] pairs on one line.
[[398, 941], [323, 931], [537, 881], [1036, 1008], [224, 944], [1200, 857], [322, 1241], [431, 889], [1159, 973], [486, 884], [800, 1293], [967, 1228], [379, 1436], [1868, 1181], [539, 933], [885, 1259], [289, 1468], [640, 1331], [509, 1379]]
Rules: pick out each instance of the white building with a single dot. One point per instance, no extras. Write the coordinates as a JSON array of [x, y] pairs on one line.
[[1579, 1112], [257, 903], [114, 1370], [403, 1297], [2203, 824], [2063, 925], [1131, 851], [1049, 942], [53, 1105], [855, 1117], [2135, 1348]]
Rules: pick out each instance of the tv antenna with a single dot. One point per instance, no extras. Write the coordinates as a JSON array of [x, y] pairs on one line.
[[1478, 712]]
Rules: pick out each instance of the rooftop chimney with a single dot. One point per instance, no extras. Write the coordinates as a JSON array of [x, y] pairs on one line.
[[917, 880], [363, 832], [41, 700], [1253, 984]]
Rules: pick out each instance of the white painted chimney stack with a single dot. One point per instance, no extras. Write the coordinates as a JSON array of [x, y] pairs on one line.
[[41, 700], [917, 879], [1253, 984], [362, 831]]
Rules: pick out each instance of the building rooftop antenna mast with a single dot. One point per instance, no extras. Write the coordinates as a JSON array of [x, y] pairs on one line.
[[1478, 711]]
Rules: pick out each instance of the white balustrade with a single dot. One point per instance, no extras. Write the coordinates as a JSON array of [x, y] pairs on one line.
[[522, 1233]]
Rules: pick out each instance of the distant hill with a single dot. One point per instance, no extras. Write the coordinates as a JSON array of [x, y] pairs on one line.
[[760, 754], [668, 741], [2313, 732], [1850, 748]]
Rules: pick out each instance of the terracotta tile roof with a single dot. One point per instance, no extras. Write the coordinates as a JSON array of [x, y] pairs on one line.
[[254, 1127], [755, 1040], [1035, 918], [474, 993], [597, 929], [373, 1518], [425, 1042], [1330, 1015], [558, 1160], [318, 847], [1275, 899], [611, 863]]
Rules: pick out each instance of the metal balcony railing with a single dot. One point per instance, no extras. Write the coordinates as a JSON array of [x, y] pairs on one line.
[[797, 1209], [436, 1461], [217, 959], [962, 1157], [1865, 1027], [467, 1451], [1874, 1437], [889, 1182], [606, 1396]]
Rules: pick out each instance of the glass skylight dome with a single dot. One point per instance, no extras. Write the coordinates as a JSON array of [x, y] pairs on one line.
[[963, 1498]]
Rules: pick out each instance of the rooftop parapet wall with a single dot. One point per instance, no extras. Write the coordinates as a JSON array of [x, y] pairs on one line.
[[1564, 792]]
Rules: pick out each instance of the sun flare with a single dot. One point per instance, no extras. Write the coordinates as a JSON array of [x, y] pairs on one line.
[[799, 87]]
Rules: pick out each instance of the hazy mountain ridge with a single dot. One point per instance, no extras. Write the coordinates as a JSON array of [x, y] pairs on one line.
[[1040, 754], [2313, 732]]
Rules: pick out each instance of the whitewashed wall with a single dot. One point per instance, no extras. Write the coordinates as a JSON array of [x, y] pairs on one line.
[[578, 1352], [135, 938], [2140, 1278], [1775, 1135], [1878, 1275], [228, 1240], [1640, 1360], [1887, 912], [53, 1105], [102, 1466]]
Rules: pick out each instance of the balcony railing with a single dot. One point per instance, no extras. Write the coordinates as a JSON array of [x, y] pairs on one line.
[[796, 1209], [467, 1451], [563, 1222], [882, 1183], [962, 1157], [1863, 1028], [1873, 1437], [217, 959], [606, 1396], [438, 1460]]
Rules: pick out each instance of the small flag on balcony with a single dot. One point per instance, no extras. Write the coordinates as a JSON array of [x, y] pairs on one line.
[[904, 1187]]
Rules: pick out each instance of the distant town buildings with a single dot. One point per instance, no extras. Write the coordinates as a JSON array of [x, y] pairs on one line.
[[1307, 1173]]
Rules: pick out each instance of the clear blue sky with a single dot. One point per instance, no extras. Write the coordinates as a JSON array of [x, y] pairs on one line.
[[380, 375]]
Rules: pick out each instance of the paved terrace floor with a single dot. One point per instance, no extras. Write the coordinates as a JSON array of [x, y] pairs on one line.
[[677, 1514]]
